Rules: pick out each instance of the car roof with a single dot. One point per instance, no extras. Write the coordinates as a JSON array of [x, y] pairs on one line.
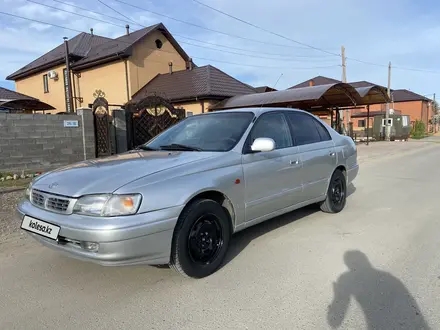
[[259, 111]]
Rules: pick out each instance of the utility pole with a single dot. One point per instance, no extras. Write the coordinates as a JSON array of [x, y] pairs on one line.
[[344, 80], [67, 81], [387, 115]]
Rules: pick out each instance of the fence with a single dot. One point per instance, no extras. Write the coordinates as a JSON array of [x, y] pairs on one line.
[[38, 142]]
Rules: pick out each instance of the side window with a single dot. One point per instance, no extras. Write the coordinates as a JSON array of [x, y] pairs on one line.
[[323, 133], [274, 126], [45, 84], [304, 129]]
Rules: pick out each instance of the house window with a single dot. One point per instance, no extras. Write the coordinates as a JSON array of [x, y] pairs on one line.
[[189, 113], [158, 43], [45, 83], [361, 123]]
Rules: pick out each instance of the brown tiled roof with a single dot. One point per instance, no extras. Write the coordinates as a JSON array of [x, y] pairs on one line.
[[87, 50], [361, 83], [319, 80], [16, 101], [78, 48], [7, 94], [201, 82], [264, 89], [403, 95]]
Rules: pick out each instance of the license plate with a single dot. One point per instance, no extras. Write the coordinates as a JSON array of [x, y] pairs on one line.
[[40, 227]]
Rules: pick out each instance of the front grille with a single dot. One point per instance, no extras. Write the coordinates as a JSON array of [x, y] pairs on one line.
[[38, 199], [57, 204], [51, 202]]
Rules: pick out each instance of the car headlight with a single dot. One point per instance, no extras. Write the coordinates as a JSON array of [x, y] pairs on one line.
[[108, 205], [27, 192]]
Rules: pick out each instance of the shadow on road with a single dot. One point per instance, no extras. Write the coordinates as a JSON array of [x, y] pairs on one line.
[[243, 238], [384, 299]]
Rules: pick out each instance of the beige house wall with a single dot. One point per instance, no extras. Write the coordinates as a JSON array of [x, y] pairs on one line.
[[110, 78], [34, 86], [147, 61], [196, 107]]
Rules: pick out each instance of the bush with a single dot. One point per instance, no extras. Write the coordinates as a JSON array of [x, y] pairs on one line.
[[418, 131]]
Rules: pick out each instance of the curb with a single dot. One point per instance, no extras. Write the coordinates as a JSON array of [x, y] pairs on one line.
[[11, 190]]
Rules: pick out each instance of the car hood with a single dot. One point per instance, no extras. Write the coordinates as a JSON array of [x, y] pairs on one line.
[[105, 175]]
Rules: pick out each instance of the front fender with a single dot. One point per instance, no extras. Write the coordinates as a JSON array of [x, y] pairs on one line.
[[179, 190]]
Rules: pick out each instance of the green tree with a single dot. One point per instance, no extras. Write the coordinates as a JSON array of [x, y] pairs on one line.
[[418, 131]]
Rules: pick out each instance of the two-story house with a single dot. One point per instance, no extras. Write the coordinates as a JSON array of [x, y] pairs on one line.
[[117, 67], [138, 64]]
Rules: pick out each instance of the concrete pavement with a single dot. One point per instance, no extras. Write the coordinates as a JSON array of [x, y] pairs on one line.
[[375, 265]]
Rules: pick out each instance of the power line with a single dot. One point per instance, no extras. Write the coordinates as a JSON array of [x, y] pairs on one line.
[[73, 13], [183, 42], [95, 12], [118, 12], [271, 67], [204, 27], [247, 50], [263, 29], [183, 36], [248, 55], [160, 50], [41, 22]]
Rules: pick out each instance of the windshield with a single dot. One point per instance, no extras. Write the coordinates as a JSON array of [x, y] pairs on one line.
[[210, 132]]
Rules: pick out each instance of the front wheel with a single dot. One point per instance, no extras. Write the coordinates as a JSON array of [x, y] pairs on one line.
[[201, 239], [336, 194]]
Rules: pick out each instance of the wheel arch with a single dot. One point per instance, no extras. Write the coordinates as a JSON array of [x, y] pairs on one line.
[[218, 197]]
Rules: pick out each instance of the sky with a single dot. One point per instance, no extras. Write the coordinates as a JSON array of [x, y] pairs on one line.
[[404, 32]]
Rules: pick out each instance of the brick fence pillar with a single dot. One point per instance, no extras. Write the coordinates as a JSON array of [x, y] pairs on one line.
[[120, 125], [88, 132]]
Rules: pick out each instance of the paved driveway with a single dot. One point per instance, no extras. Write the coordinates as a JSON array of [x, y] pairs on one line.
[[374, 265]]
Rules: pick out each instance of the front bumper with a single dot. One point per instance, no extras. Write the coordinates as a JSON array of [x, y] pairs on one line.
[[128, 240]]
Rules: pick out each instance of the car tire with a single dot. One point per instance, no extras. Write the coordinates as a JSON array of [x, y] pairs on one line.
[[336, 193], [201, 239]]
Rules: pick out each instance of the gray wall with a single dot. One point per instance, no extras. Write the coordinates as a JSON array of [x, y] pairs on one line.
[[37, 142]]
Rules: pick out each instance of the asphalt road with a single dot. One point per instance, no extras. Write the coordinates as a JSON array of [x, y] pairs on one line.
[[376, 265]]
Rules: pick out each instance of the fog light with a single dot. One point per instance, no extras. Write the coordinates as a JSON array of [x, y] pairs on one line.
[[91, 246]]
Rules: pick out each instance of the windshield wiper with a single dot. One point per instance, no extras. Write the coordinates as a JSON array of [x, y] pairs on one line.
[[182, 147], [144, 147]]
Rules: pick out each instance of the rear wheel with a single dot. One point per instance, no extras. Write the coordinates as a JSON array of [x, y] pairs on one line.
[[336, 193], [201, 239]]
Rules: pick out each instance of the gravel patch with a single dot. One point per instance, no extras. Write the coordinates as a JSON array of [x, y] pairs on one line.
[[8, 223]]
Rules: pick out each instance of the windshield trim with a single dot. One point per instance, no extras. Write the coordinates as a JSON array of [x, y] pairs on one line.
[[215, 113]]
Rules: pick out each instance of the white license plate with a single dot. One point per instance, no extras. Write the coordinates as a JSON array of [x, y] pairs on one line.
[[40, 227]]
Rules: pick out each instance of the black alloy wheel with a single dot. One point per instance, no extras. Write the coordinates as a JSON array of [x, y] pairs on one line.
[[201, 239], [336, 193]]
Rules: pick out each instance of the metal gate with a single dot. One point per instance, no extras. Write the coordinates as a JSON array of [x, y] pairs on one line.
[[101, 119], [148, 118]]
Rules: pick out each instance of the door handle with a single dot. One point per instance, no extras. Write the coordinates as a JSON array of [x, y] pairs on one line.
[[294, 162], [332, 154]]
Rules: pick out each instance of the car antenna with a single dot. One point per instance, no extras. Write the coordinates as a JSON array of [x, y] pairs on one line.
[[274, 91]]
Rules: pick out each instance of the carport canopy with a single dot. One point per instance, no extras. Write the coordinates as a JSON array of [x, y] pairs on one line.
[[25, 104], [336, 95]]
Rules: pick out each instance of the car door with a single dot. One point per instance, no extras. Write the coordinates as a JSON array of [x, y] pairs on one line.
[[271, 178], [317, 153]]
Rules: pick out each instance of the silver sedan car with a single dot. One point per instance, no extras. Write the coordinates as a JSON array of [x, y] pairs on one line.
[[178, 198]]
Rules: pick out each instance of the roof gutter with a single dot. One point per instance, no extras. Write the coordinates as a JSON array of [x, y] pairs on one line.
[[111, 58], [36, 70]]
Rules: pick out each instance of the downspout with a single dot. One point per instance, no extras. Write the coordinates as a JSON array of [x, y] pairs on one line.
[[69, 87], [126, 80], [203, 106], [74, 93]]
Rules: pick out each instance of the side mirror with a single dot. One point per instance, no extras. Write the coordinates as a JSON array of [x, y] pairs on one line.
[[263, 145]]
